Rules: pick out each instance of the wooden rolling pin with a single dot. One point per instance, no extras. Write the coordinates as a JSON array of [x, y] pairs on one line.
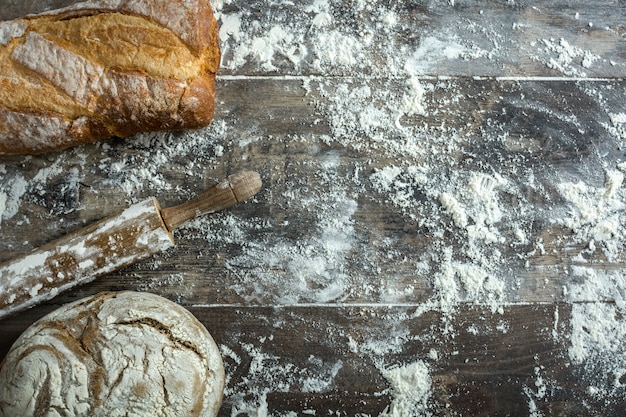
[[110, 244]]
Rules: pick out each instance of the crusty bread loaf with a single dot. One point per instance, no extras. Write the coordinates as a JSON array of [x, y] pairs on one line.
[[114, 354], [105, 68]]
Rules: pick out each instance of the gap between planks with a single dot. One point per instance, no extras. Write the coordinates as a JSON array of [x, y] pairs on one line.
[[424, 305], [227, 77]]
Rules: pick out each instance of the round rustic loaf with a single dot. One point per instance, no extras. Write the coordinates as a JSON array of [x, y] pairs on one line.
[[114, 354]]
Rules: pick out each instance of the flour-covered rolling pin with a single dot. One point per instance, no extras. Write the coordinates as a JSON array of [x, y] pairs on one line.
[[110, 244]]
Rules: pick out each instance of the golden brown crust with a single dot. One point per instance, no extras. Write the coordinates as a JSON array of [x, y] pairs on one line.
[[192, 105], [192, 20], [106, 68]]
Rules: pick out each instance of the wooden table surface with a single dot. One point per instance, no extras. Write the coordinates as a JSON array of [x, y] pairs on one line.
[[441, 227]]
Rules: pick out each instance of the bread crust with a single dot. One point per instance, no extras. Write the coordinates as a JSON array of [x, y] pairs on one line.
[[106, 68], [128, 352]]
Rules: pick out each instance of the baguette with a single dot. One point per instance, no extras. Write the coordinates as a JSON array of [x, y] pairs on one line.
[[106, 68]]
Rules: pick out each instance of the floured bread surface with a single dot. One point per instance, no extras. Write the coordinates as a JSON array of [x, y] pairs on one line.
[[114, 354], [106, 68]]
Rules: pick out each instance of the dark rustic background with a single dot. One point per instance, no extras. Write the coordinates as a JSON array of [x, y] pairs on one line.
[[442, 187]]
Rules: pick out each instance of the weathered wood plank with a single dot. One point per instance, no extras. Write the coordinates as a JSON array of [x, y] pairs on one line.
[[340, 359], [478, 363], [453, 38], [436, 193], [362, 202], [456, 38]]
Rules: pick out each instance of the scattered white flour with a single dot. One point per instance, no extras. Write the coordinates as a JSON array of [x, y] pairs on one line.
[[467, 212], [536, 393], [560, 55], [598, 347], [11, 192], [411, 389], [597, 214], [399, 136], [318, 38], [597, 342], [267, 373], [617, 127], [433, 51], [453, 209]]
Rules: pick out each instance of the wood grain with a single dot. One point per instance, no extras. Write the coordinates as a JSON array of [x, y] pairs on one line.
[[350, 261], [342, 352], [528, 149]]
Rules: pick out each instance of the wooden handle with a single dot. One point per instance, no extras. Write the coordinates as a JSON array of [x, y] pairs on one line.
[[233, 190]]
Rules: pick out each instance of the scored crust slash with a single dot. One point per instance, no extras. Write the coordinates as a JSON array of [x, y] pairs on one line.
[[106, 68], [110, 244], [114, 353]]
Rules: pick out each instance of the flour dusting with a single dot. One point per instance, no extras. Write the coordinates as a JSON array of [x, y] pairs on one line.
[[411, 388], [10, 197], [597, 214], [568, 59], [400, 180]]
